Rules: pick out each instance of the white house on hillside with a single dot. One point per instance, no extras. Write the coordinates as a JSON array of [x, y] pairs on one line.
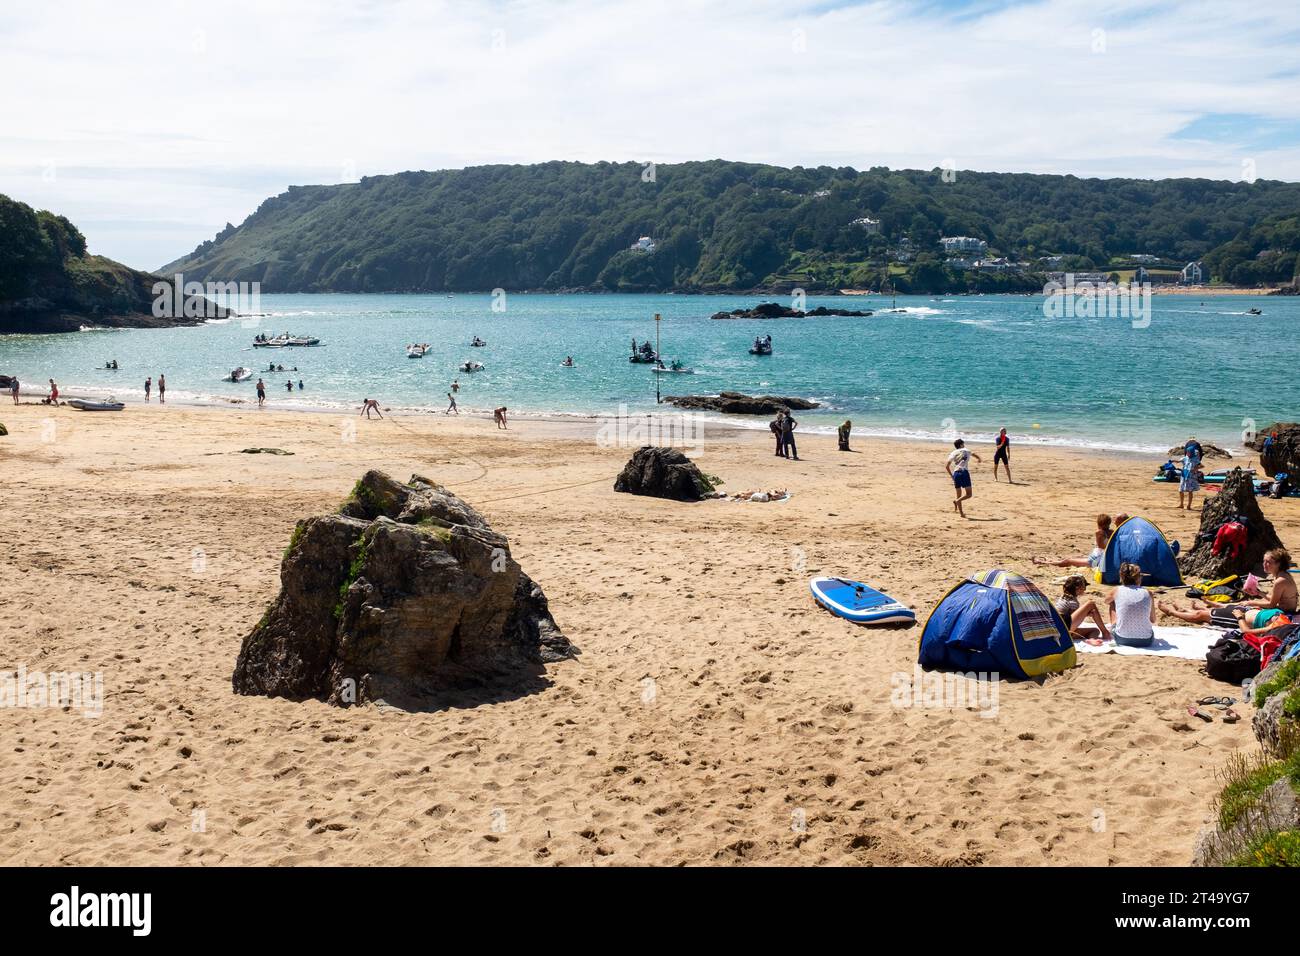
[[1194, 273], [868, 225], [963, 244], [644, 244]]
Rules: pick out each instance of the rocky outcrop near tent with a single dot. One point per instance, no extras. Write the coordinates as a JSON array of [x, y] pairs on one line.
[[1235, 500], [1283, 452], [663, 473], [404, 593], [774, 310], [738, 403]]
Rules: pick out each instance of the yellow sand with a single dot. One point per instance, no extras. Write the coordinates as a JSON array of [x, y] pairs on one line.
[[716, 715]]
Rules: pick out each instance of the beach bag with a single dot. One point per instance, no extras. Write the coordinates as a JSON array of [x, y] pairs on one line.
[[1267, 643], [1221, 591], [1231, 659]]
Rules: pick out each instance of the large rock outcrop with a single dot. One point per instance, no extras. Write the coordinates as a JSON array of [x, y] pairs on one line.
[[1236, 498], [663, 473], [774, 310], [405, 592], [738, 403], [1283, 452]]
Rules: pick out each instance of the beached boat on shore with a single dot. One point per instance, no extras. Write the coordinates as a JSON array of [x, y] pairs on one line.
[[85, 405]]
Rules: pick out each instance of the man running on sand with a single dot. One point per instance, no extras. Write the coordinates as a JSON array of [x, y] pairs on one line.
[[452, 407], [959, 471]]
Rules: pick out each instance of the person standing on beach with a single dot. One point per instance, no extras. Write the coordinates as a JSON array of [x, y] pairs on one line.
[[261, 393], [844, 431], [54, 394], [775, 425], [162, 389], [13, 389], [1188, 484], [452, 407], [959, 471], [148, 387], [499, 416], [788, 425], [1002, 453]]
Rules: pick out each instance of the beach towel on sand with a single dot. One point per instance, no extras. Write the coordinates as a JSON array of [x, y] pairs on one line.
[[1187, 643]]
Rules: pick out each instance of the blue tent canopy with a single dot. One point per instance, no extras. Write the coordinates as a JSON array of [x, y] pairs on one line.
[[1139, 541], [998, 622]]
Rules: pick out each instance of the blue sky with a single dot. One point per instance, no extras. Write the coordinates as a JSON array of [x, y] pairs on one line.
[[152, 124]]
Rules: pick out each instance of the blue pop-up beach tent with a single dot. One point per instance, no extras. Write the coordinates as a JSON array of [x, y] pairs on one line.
[[1139, 541], [999, 622]]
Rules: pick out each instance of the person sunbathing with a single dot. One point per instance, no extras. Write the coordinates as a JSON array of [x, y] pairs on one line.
[[1093, 560], [1253, 613], [1075, 613]]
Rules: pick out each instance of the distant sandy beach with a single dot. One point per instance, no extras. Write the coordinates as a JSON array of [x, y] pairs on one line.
[[716, 715]]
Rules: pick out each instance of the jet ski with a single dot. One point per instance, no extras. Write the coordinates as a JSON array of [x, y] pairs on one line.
[[416, 351], [240, 374], [471, 366], [478, 343]]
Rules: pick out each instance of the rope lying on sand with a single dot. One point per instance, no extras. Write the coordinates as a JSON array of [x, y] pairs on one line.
[[484, 470]]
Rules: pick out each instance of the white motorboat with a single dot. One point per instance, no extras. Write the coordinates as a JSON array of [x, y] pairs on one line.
[[471, 366], [416, 351], [240, 374]]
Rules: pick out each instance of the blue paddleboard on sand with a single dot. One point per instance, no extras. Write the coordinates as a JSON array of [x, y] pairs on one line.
[[858, 602]]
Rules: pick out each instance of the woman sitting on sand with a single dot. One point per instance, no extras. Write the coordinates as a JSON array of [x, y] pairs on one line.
[[1133, 614], [1093, 560], [1074, 613]]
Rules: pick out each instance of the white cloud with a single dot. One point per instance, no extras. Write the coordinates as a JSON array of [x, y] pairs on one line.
[[160, 121]]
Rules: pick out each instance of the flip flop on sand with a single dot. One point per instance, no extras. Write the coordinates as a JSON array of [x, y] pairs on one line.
[[1194, 711], [1217, 701], [1230, 716]]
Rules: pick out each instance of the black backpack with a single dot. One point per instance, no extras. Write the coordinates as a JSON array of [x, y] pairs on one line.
[[1231, 659]]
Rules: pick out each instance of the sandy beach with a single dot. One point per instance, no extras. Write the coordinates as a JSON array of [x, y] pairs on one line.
[[715, 715]]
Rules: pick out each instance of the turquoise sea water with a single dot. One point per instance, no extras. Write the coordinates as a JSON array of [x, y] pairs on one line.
[[960, 364]]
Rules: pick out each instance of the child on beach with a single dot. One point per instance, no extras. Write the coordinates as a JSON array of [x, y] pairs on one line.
[[54, 394], [1075, 613], [1093, 560], [958, 466], [13, 388], [499, 416], [452, 407], [1188, 484], [843, 432]]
